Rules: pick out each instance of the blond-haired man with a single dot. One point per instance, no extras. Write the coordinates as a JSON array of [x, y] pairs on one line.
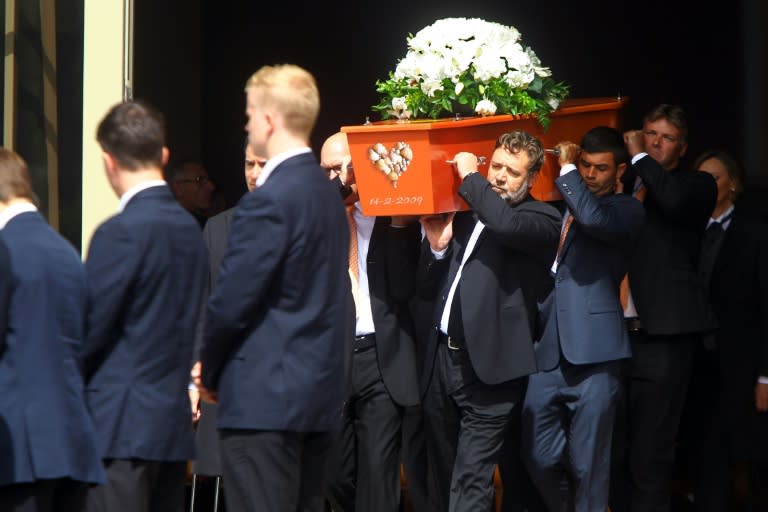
[[274, 337]]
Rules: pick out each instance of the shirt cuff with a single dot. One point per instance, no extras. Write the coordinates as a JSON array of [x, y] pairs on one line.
[[567, 168], [439, 255], [638, 157]]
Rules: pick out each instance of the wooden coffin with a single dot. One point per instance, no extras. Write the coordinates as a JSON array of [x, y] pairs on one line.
[[400, 166]]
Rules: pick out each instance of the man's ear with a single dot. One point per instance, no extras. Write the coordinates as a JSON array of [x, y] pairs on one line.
[[110, 164], [619, 185], [164, 159], [620, 170]]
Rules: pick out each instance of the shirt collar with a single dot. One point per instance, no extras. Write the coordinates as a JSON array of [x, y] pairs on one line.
[[724, 219], [128, 195], [14, 210], [276, 160]]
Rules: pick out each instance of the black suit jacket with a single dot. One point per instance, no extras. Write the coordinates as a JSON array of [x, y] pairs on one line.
[[739, 296], [392, 254], [669, 295], [501, 282]]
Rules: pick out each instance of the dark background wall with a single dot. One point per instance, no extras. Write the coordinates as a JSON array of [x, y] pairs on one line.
[[193, 58]]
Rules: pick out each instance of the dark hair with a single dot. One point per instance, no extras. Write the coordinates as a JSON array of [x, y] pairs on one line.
[[674, 114], [134, 134], [605, 139], [519, 140], [15, 181], [735, 172]]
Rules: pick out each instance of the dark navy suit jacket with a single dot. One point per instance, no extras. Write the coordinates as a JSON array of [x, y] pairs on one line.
[[583, 315], [276, 322], [146, 269], [45, 429]]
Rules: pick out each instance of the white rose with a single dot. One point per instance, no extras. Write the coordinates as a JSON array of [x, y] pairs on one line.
[[485, 108]]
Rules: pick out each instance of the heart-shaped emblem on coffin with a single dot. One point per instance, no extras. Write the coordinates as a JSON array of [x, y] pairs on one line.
[[392, 162]]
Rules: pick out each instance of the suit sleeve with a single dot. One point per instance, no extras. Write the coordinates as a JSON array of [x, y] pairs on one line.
[[110, 265], [402, 260], [686, 197], [530, 227], [616, 219], [6, 276], [257, 245], [199, 328], [763, 296], [431, 272]]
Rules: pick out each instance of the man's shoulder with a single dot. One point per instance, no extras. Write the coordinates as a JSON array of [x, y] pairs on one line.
[[536, 206]]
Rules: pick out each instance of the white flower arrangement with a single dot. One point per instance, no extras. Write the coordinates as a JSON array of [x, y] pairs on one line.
[[472, 62]]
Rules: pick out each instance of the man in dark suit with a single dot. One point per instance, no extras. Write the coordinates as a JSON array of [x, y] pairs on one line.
[[273, 347], [146, 272], [666, 310], [487, 270], [570, 404], [48, 445], [216, 233], [383, 371], [192, 188]]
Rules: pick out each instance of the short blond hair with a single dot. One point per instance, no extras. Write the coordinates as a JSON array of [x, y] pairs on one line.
[[291, 91]]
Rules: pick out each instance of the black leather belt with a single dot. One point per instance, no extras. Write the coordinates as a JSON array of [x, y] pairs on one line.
[[634, 325], [364, 342], [453, 343]]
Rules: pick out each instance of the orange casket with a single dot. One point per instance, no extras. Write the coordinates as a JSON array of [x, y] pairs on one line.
[[401, 169]]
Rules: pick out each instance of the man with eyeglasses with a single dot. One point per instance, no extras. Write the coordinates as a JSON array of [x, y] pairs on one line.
[[665, 307], [382, 380], [192, 188]]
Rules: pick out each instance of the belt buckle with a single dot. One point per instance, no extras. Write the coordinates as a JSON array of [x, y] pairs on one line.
[[451, 345]]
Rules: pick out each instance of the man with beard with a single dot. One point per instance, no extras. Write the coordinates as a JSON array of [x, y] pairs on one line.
[[486, 268]]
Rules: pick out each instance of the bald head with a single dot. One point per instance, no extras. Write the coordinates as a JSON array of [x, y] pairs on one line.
[[334, 149]]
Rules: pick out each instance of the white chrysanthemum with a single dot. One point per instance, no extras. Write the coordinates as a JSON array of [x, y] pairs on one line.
[[471, 58], [485, 108], [489, 64], [516, 79], [536, 64], [430, 86]]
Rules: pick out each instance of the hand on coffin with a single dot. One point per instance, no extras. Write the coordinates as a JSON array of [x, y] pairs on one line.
[[438, 229]]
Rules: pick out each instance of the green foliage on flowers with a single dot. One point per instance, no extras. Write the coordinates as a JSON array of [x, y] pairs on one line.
[[456, 63]]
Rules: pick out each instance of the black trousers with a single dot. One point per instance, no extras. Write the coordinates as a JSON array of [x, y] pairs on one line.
[[415, 456], [465, 422], [57, 495], [139, 486], [647, 422], [367, 474], [274, 470]]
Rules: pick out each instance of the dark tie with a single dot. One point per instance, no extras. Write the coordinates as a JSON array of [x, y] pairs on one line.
[[710, 247]]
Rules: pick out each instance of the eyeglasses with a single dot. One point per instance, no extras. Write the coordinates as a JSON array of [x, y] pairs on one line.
[[200, 180]]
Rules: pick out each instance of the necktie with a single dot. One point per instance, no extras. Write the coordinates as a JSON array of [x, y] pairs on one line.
[[563, 234], [638, 193], [710, 247], [354, 271]]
